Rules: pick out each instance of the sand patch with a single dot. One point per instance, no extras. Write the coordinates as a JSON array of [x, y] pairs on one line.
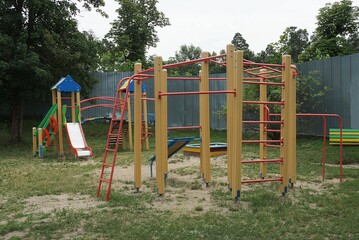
[[50, 203]]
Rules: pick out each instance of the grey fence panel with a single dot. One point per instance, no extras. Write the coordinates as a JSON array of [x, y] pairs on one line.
[[354, 90], [345, 90]]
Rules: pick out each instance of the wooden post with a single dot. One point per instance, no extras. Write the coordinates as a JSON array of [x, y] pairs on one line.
[[164, 124], [39, 139], [286, 77], [78, 104], [263, 126], [204, 120], [145, 118], [56, 139], [73, 116], [138, 127], [34, 141], [129, 120], [59, 121], [293, 127], [159, 142], [237, 125], [230, 99]]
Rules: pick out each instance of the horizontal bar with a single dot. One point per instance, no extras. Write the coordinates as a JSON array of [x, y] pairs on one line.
[[272, 130], [262, 141], [260, 122], [183, 78], [195, 93], [263, 102], [263, 180], [184, 128], [149, 99], [272, 146], [169, 66], [262, 64], [263, 83], [263, 161]]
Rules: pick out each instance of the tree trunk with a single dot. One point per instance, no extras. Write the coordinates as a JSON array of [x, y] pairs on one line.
[[16, 121]]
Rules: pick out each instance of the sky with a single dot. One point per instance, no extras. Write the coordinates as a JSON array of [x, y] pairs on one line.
[[211, 24]]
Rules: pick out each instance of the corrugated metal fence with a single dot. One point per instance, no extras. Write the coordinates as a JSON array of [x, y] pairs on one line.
[[340, 74]]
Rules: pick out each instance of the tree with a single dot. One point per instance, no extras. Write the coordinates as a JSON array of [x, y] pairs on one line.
[[135, 28], [241, 44], [293, 42], [186, 53], [39, 43], [336, 33]]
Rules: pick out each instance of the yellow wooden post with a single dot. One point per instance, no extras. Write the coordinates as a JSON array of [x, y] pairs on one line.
[[263, 126], [286, 77], [292, 127], [159, 144], [34, 141], [237, 125], [204, 120], [137, 126], [164, 124], [73, 117], [230, 99], [39, 139], [56, 139], [129, 120], [145, 118], [78, 104], [59, 121]]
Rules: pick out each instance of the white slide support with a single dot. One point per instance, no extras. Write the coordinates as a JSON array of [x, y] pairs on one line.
[[77, 140]]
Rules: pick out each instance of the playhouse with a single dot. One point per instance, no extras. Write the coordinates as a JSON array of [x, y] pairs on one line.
[[50, 130]]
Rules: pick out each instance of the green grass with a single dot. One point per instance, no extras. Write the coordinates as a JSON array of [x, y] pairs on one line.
[[313, 209]]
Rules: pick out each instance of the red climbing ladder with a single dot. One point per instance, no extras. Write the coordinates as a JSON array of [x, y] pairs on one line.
[[114, 135]]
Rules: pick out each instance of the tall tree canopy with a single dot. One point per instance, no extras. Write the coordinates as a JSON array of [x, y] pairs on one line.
[[134, 31], [241, 44], [186, 53], [336, 33], [39, 43]]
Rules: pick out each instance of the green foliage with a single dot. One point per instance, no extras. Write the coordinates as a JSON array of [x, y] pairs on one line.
[[186, 53], [310, 92], [336, 33], [135, 28], [241, 44], [39, 43]]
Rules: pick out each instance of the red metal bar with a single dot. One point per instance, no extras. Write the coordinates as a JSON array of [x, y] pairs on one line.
[[252, 78], [263, 180], [272, 130], [104, 98], [263, 102], [148, 99], [260, 122], [184, 128], [183, 78], [262, 141], [324, 115], [218, 79], [263, 161], [263, 83], [169, 66], [97, 105], [195, 93], [262, 64], [272, 146], [219, 63]]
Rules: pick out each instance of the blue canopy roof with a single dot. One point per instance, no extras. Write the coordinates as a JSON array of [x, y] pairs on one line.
[[67, 84]]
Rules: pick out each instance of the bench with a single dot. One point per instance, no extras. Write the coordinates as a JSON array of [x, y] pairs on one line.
[[349, 136]]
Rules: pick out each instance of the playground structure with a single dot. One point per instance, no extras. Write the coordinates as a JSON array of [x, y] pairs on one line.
[[216, 149], [125, 85], [51, 127], [239, 72]]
